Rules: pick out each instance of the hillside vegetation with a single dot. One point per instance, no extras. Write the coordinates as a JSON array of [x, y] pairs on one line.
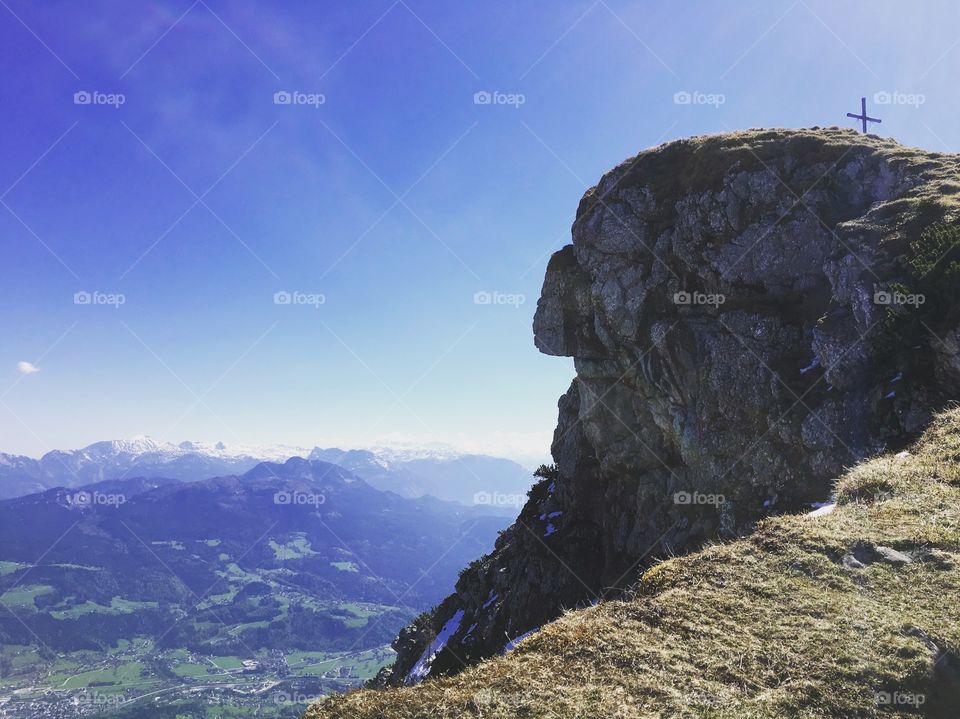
[[851, 613]]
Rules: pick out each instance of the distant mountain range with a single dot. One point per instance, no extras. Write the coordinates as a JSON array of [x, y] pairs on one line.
[[299, 554], [465, 478]]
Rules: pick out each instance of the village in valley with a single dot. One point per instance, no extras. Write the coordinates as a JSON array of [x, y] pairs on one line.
[[136, 680]]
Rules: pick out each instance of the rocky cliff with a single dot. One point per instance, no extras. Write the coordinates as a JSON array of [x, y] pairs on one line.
[[850, 613], [749, 314]]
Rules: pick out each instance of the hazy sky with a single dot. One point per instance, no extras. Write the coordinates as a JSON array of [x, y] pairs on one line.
[[183, 187]]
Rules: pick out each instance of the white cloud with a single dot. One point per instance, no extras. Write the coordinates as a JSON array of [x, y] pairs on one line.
[[27, 368]]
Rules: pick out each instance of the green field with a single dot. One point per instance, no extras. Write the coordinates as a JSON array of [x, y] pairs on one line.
[[294, 549], [22, 597], [118, 605], [192, 670], [228, 663], [111, 678], [10, 567]]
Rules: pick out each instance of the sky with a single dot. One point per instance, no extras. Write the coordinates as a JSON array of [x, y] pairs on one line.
[[327, 223]]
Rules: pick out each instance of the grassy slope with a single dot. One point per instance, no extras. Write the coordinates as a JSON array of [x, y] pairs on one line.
[[772, 625]]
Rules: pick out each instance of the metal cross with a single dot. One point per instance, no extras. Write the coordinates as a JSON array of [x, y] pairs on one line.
[[863, 117]]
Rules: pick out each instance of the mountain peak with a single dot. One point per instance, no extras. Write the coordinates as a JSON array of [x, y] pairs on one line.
[[749, 313]]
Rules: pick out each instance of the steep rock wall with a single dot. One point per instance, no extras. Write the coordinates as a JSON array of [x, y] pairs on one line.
[[749, 314]]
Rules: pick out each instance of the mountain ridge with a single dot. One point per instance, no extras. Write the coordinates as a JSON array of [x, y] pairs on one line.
[[410, 472]]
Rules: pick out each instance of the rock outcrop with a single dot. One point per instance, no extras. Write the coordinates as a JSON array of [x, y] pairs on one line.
[[851, 613], [749, 314]]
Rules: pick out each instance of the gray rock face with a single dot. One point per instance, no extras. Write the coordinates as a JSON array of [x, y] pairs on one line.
[[749, 314]]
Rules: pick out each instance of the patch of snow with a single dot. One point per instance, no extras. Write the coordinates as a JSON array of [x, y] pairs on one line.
[[491, 598], [814, 363], [822, 510], [421, 669], [469, 632], [897, 378], [549, 530], [902, 455], [891, 394], [512, 644]]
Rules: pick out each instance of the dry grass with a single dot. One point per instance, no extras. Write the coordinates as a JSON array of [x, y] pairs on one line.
[[771, 625]]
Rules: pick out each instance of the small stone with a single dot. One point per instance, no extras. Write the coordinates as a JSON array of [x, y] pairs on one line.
[[851, 562], [892, 556]]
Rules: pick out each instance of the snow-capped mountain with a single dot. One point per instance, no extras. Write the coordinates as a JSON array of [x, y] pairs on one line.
[[407, 470], [127, 458]]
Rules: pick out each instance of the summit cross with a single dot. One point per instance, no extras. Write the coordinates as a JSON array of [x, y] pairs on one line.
[[863, 117]]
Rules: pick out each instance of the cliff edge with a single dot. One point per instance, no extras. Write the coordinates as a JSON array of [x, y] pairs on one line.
[[750, 314]]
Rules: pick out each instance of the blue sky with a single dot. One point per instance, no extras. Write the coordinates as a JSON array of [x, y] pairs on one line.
[[385, 190]]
